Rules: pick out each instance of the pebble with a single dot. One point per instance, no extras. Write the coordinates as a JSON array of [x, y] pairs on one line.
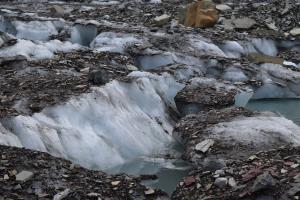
[[221, 182]]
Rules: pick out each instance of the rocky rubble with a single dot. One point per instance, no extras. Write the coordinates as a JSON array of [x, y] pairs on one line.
[[27, 174], [270, 175], [213, 50]]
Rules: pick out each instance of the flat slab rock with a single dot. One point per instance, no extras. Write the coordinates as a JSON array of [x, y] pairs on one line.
[[274, 174], [27, 174]]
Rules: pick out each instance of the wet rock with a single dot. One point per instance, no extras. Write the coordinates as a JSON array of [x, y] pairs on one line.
[[201, 14], [244, 23], [204, 146], [263, 181], [162, 20]]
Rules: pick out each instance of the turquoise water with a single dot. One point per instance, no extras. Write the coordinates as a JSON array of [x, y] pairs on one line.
[[290, 108]]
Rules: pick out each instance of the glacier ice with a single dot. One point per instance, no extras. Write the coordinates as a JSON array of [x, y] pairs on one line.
[[83, 34], [38, 50], [104, 128], [113, 42], [235, 75], [36, 30], [232, 49], [265, 46]]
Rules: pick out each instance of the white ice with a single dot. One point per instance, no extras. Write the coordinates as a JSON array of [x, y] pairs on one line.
[[36, 30], [38, 50], [105, 128]]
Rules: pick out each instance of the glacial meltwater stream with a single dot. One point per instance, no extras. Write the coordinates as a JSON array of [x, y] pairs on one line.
[[290, 108]]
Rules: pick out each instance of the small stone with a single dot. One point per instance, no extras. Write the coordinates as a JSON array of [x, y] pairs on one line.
[[24, 176], [254, 157], [115, 183], [295, 166], [162, 20], [221, 182], [295, 32], [13, 172], [149, 191], [204, 146], [6, 177], [189, 180], [272, 26], [223, 7], [244, 23], [220, 172], [232, 182], [132, 68], [93, 194], [283, 171], [62, 195]]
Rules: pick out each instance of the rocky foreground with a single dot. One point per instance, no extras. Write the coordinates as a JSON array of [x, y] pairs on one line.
[[27, 174], [102, 82]]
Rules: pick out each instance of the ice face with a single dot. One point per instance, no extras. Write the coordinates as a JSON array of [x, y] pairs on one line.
[[235, 75], [265, 46], [147, 62], [7, 26], [232, 49], [105, 128], [83, 34]]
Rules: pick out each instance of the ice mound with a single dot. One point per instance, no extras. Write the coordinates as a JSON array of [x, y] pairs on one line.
[[38, 50], [263, 130], [104, 128], [114, 42], [37, 30]]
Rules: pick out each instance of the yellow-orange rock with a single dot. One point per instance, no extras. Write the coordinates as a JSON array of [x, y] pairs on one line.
[[201, 14]]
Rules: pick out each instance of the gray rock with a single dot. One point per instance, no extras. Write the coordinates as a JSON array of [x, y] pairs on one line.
[[243, 23], [294, 190], [221, 182], [24, 176], [57, 11], [204, 146], [295, 32], [100, 76], [62, 194], [162, 20], [263, 181], [232, 182]]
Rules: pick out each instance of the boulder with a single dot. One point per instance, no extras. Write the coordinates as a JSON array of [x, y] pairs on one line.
[[162, 20], [201, 14], [57, 11]]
